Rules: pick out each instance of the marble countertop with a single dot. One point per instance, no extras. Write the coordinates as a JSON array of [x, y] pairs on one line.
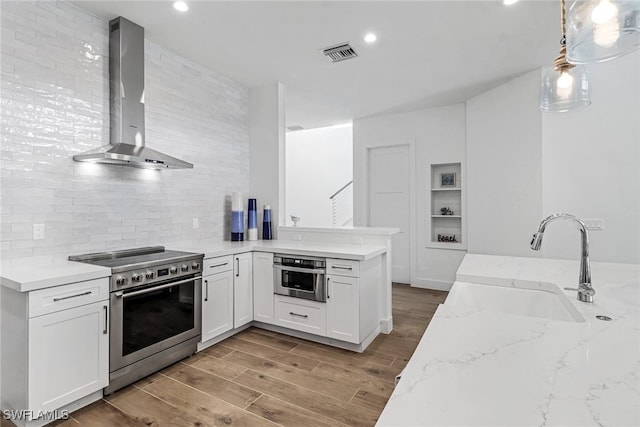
[[28, 277], [486, 368], [25, 278], [309, 248]]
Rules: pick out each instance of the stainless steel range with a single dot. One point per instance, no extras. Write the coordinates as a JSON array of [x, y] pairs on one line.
[[155, 309]]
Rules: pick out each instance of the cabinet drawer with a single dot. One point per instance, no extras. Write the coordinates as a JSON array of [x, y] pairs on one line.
[[58, 298], [343, 267], [217, 265], [301, 315]]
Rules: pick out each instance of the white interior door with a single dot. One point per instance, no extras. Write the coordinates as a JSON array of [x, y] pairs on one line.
[[389, 202]]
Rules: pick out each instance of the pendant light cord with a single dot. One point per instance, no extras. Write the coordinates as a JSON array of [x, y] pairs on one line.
[[560, 64], [563, 23]]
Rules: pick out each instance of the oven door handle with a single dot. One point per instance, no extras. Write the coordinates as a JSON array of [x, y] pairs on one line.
[[299, 270], [156, 288]]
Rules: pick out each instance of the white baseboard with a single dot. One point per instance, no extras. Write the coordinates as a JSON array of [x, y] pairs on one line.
[[386, 325]]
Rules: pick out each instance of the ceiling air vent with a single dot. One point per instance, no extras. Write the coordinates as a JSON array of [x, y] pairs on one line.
[[340, 52], [294, 128]]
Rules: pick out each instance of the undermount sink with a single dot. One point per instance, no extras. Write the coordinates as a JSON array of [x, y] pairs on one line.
[[533, 299]]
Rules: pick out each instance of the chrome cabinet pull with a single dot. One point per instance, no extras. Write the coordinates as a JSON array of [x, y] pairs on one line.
[[218, 265], [206, 290], [304, 316], [106, 319], [337, 267], [72, 296], [328, 296]]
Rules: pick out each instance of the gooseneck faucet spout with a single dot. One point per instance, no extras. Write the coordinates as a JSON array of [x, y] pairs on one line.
[[585, 290]]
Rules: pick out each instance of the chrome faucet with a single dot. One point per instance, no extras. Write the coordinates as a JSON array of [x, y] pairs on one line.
[[585, 290]]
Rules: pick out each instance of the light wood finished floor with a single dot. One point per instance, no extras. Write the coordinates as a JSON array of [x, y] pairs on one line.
[[262, 378]]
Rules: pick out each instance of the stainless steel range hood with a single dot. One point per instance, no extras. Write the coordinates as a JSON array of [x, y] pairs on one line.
[[126, 91]]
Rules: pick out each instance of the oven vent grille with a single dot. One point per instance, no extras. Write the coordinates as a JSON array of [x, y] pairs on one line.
[[340, 52]]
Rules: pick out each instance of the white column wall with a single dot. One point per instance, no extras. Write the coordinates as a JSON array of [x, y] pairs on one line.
[[504, 174], [266, 153]]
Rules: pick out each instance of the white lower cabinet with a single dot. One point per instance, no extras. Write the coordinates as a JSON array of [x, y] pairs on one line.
[[343, 308], [302, 315], [55, 346], [68, 355], [217, 303], [242, 289], [263, 298]]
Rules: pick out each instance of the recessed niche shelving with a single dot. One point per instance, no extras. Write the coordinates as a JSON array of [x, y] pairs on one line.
[[446, 216]]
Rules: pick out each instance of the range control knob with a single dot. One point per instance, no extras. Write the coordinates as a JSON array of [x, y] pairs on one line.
[[136, 277], [121, 280], [149, 275], [185, 267], [195, 266], [173, 270]]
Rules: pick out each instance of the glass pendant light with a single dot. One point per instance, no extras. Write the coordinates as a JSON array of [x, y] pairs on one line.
[[599, 30], [565, 87]]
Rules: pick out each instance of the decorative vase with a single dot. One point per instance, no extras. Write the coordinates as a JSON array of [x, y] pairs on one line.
[[252, 220], [267, 233], [237, 218]]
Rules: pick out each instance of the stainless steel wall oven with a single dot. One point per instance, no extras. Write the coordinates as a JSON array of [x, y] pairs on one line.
[[300, 277]]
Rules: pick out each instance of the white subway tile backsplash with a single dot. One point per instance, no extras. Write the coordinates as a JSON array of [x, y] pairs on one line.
[[55, 104]]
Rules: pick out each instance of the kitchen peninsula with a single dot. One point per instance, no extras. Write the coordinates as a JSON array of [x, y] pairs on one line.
[[67, 303]]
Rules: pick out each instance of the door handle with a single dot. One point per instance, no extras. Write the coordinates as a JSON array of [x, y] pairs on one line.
[[237, 267], [328, 296], [206, 290], [106, 319]]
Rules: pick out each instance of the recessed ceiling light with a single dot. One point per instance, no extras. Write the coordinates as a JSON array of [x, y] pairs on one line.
[[180, 6], [370, 38], [509, 2]]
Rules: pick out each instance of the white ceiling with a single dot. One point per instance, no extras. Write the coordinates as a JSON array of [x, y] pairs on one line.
[[428, 53]]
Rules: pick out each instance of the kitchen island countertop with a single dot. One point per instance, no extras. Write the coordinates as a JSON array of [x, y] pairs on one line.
[[476, 367]]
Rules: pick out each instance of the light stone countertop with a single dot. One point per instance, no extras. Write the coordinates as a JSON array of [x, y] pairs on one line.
[[25, 278], [318, 249], [483, 368], [29, 277]]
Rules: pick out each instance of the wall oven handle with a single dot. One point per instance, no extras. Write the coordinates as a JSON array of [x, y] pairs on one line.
[[72, 296], [206, 290], [304, 316], [299, 270], [156, 288], [106, 319]]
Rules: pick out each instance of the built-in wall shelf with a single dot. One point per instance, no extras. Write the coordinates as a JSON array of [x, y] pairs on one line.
[[446, 230]]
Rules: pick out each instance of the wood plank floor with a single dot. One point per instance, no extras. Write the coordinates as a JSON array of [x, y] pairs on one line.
[[262, 378]]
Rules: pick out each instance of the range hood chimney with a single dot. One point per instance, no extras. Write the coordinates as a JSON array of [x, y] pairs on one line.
[[126, 95]]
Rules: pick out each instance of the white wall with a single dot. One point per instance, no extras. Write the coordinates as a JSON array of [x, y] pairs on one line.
[[318, 163], [438, 136], [55, 104], [585, 162], [267, 153], [591, 166], [504, 174]]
